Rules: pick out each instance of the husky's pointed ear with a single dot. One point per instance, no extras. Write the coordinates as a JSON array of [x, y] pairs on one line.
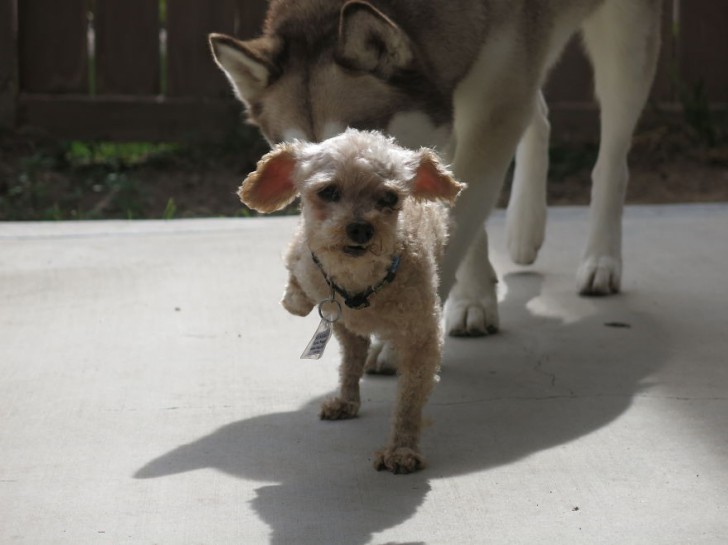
[[271, 186], [248, 65], [369, 41], [432, 181]]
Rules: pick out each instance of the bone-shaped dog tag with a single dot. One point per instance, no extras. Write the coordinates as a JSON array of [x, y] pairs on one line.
[[316, 346]]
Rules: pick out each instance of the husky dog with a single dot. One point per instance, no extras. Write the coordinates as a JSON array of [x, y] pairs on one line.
[[464, 77]]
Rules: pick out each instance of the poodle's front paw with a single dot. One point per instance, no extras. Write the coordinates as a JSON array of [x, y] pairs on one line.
[[399, 460], [338, 409], [296, 303], [381, 359]]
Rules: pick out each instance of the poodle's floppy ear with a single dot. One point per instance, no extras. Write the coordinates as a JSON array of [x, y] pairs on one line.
[[432, 181], [271, 186]]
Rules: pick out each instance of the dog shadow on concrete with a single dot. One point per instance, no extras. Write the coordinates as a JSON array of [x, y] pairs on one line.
[[562, 368]]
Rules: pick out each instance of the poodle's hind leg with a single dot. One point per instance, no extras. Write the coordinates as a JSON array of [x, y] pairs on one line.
[[382, 359]]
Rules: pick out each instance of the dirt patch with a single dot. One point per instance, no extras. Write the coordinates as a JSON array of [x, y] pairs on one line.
[[43, 179]]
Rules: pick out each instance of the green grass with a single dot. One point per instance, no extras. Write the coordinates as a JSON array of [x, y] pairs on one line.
[[170, 210], [42, 179], [117, 155]]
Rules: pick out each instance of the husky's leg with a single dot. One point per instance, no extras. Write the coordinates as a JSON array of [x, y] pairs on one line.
[[493, 106], [472, 308], [622, 39], [526, 215]]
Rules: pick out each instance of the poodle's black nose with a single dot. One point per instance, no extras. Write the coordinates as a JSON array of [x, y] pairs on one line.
[[360, 232]]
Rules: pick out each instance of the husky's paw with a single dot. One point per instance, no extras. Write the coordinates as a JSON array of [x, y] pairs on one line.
[[338, 409], [465, 317], [381, 359], [399, 460], [599, 275], [525, 228]]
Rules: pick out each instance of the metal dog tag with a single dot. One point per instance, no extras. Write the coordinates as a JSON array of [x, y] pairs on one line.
[[316, 346]]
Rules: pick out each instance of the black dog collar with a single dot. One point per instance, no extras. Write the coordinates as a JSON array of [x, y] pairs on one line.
[[359, 300]]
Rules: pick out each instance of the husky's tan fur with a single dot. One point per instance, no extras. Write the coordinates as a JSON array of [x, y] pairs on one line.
[[463, 76]]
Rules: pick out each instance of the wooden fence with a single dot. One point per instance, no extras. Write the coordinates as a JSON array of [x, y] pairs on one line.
[[141, 69]]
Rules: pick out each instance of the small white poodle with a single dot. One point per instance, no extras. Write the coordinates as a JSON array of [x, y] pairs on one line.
[[373, 229]]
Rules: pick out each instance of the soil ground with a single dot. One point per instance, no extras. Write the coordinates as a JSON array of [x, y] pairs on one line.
[[43, 179]]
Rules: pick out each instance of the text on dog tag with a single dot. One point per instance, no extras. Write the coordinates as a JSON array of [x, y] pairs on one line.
[[317, 345]]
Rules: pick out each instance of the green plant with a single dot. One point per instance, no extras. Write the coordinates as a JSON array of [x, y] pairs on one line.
[[117, 155], [126, 195], [44, 179], [170, 210], [694, 99]]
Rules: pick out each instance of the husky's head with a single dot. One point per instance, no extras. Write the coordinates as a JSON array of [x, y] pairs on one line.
[[323, 66]]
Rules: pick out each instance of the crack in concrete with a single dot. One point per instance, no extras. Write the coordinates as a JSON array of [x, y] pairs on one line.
[[539, 369]]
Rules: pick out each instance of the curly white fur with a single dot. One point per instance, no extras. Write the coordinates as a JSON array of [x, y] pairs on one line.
[[365, 179]]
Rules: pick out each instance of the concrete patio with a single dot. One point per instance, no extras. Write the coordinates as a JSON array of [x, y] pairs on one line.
[[151, 393]]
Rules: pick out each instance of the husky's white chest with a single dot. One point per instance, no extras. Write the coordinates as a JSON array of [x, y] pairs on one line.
[[415, 129]]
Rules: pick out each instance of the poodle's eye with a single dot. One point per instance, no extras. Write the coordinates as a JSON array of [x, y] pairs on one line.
[[388, 200], [330, 193]]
